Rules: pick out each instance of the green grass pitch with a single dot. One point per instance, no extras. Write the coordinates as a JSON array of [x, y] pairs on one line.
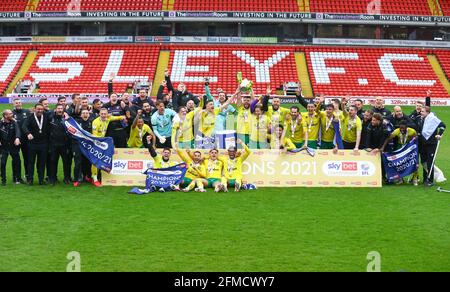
[[269, 229]]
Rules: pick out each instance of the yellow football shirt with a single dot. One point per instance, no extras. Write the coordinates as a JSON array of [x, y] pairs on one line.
[[233, 168], [100, 127], [350, 128], [259, 128], [213, 169], [278, 116], [243, 120], [404, 139], [184, 129], [295, 130], [195, 170], [312, 124], [327, 127], [136, 134]]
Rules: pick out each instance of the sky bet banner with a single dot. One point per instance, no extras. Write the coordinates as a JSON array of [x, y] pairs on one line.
[[402, 162], [268, 168], [99, 151]]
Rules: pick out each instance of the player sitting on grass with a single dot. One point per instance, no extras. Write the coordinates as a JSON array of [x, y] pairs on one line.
[[196, 172], [233, 167], [214, 171], [161, 161]]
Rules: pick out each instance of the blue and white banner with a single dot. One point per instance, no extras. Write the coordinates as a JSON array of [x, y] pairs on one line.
[[165, 177], [99, 151], [338, 135], [403, 162]]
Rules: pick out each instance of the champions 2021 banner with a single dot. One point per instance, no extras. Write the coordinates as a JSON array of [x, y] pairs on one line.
[[403, 162], [99, 151], [163, 178]]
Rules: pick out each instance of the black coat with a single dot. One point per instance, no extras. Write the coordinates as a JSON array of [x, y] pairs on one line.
[[58, 133], [180, 98], [376, 136], [9, 132], [31, 127]]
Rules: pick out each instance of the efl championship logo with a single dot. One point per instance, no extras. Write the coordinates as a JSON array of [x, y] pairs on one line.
[[365, 167]]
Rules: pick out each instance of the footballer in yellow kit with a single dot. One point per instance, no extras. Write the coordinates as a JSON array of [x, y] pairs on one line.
[[99, 128], [311, 121], [233, 166], [295, 127], [196, 172]]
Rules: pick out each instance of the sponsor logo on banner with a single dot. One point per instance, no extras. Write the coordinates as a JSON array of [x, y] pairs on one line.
[[49, 39], [161, 39], [130, 167], [119, 39], [135, 165], [349, 166], [342, 168]]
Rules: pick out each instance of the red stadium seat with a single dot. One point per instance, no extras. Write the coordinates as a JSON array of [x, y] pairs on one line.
[[13, 5], [444, 60], [101, 5], [445, 6], [237, 5], [410, 7]]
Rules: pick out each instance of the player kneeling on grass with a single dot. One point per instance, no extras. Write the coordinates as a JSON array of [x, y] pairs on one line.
[[196, 173], [161, 161], [233, 167]]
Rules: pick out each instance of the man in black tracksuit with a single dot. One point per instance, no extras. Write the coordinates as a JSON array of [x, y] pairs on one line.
[[427, 148], [9, 145], [82, 170], [59, 146], [20, 115], [36, 129]]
